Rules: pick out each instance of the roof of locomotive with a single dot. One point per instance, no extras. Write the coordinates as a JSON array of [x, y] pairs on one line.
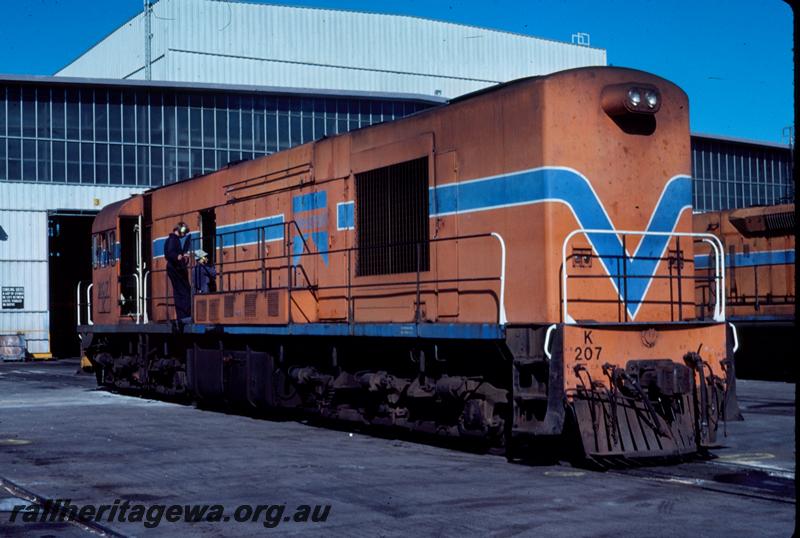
[[436, 107]]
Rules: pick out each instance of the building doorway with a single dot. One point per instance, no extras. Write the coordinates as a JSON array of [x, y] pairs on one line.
[[70, 262]]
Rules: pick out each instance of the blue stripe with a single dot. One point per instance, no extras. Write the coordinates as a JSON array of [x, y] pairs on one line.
[[755, 258], [569, 187], [471, 331], [241, 233], [310, 201], [248, 232], [345, 216]]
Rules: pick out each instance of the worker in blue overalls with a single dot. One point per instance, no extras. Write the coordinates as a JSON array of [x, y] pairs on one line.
[[204, 276], [175, 252]]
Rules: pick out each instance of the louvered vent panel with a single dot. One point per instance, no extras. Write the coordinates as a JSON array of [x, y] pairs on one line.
[[213, 310], [201, 313], [272, 304], [229, 302], [250, 305]]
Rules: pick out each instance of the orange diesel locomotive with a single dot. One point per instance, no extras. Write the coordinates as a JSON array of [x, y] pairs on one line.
[[514, 265], [759, 245]]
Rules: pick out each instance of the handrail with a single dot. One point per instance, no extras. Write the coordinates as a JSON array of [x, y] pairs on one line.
[[255, 264], [719, 308], [502, 315], [78, 303], [138, 298], [89, 304], [735, 337], [145, 318], [546, 346]]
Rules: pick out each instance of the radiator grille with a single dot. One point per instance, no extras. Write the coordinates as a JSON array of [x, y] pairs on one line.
[[780, 223], [229, 302], [213, 310], [250, 305], [392, 219], [272, 304], [201, 313]]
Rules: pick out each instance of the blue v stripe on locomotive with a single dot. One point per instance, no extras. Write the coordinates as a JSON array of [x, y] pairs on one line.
[[754, 258], [571, 188], [310, 201]]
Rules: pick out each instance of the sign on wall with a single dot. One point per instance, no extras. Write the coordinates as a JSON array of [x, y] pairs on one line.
[[13, 297]]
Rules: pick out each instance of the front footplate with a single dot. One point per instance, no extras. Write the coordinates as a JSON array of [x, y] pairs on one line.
[[648, 391], [643, 410]]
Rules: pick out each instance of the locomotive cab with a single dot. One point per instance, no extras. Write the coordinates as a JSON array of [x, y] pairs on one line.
[[117, 293]]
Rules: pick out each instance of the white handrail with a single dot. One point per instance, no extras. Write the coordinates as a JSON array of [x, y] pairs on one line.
[[735, 337], [719, 309], [502, 314], [550, 330], [89, 304], [78, 302], [138, 298], [145, 318]]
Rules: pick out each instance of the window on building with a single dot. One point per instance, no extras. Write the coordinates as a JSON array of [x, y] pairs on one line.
[[43, 160], [392, 219], [87, 114], [29, 160], [129, 165], [3, 159], [128, 117], [87, 163], [100, 116], [43, 113], [14, 159], [14, 112], [114, 116], [142, 118], [29, 112], [115, 164], [101, 163], [59, 161], [2, 111]]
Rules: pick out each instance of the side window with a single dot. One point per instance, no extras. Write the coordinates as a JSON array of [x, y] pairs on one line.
[[95, 250], [112, 247], [103, 250]]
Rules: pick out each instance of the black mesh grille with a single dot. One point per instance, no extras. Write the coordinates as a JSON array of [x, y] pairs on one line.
[[392, 219]]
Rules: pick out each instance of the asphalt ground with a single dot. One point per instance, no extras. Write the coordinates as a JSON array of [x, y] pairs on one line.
[[61, 438]]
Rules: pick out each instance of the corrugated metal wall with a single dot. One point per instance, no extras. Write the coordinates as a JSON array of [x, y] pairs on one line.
[[24, 248], [242, 43], [23, 263]]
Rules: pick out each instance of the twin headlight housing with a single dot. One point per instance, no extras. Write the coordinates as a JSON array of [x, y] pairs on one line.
[[643, 97], [631, 98]]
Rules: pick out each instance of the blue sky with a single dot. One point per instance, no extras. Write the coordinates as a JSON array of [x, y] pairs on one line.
[[733, 57]]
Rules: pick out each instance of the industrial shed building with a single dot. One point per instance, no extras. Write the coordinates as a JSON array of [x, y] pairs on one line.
[[223, 42], [227, 81]]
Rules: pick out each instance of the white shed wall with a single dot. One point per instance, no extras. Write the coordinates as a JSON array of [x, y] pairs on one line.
[[24, 248], [242, 43]]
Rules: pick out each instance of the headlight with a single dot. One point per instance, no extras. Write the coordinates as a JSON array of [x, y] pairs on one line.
[[652, 98], [634, 97]]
